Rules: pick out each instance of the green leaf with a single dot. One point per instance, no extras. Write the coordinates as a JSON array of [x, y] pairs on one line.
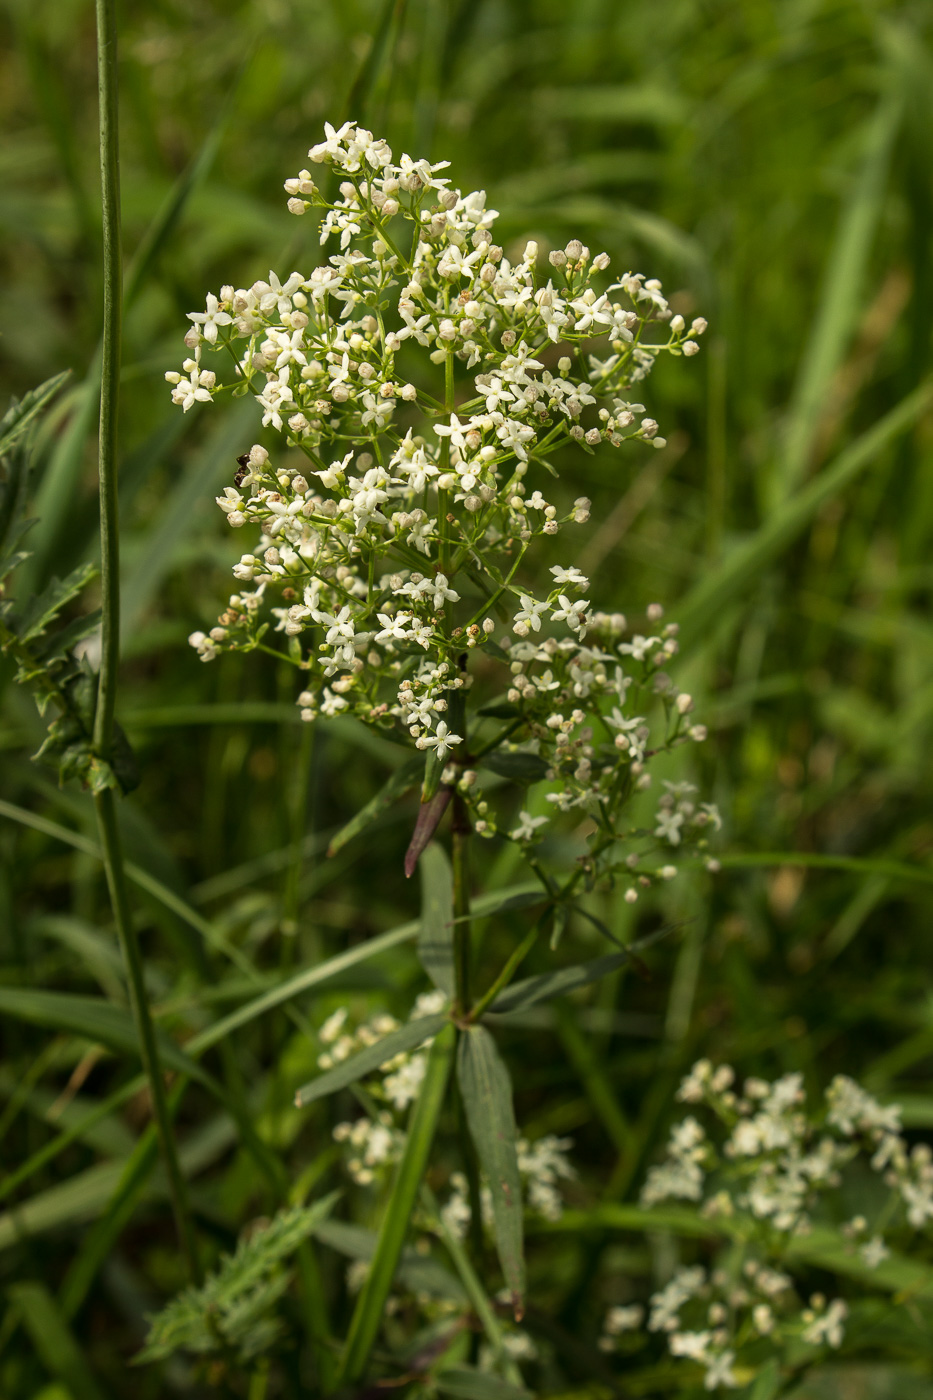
[[92, 1018], [436, 942], [487, 1100], [14, 485], [225, 1310], [554, 984], [400, 782], [407, 1037], [466, 1383], [22, 412], [500, 709], [517, 767], [53, 1339], [768, 1382], [43, 609], [367, 1316]]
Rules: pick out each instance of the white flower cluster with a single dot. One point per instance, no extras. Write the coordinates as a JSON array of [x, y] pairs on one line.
[[770, 1162], [542, 1165], [712, 1317], [392, 535], [375, 1143], [777, 1160]]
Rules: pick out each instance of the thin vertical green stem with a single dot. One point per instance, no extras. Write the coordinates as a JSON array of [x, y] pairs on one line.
[[368, 1314], [460, 860], [110, 614], [148, 1050]]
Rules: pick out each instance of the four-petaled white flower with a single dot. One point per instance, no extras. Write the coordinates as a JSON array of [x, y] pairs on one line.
[[527, 826], [209, 320], [442, 740]]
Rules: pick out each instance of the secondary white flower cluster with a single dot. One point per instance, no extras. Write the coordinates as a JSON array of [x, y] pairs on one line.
[[777, 1159], [764, 1168], [375, 1143], [542, 1165], [394, 525], [718, 1320]]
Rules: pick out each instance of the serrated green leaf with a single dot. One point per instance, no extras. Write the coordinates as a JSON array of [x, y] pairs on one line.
[[400, 782], [467, 1383], [226, 1309], [43, 609], [50, 650], [554, 984], [22, 412], [407, 1037], [435, 941], [14, 485], [486, 1091]]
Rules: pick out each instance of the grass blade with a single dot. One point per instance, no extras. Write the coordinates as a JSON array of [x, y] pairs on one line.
[[53, 1339], [367, 1316], [704, 605], [92, 1018], [435, 941], [842, 295], [487, 1100]]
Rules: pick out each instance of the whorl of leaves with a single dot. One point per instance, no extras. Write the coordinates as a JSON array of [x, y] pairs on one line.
[[232, 1312]]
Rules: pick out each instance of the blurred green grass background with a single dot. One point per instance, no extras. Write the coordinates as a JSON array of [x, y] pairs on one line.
[[770, 161]]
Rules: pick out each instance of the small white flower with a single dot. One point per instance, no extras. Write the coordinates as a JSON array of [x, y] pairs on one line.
[[527, 826], [209, 320]]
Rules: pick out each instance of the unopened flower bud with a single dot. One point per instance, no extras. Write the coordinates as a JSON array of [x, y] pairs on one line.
[[574, 250]]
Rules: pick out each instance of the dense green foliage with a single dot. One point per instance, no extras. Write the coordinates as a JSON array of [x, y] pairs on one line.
[[770, 161]]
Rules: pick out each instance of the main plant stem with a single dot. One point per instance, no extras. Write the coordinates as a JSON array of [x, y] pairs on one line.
[[110, 614], [460, 859]]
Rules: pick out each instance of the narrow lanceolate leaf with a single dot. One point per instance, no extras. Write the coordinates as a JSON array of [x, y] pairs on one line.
[[435, 942], [487, 1099], [466, 1383], [23, 411], [429, 819], [407, 1037], [400, 782], [517, 767], [367, 1316], [555, 984]]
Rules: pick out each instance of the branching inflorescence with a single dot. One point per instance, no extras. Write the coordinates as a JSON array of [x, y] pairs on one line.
[[394, 531]]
